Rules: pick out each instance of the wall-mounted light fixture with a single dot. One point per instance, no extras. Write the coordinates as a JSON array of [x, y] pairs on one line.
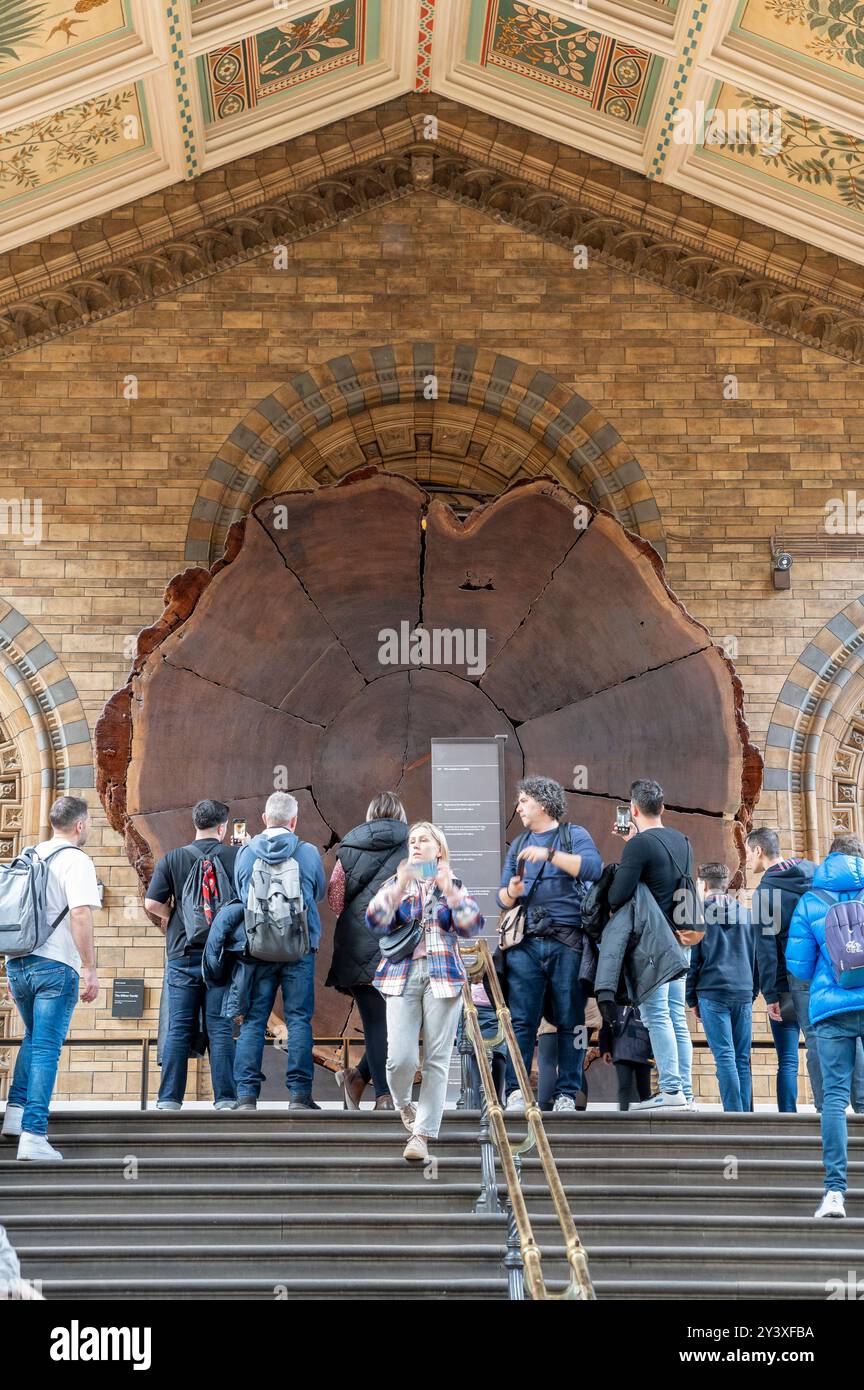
[[781, 566]]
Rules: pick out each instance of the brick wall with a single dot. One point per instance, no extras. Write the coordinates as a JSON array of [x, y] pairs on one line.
[[118, 477]]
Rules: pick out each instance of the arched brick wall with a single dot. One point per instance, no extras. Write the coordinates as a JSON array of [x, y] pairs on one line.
[[454, 415], [814, 749]]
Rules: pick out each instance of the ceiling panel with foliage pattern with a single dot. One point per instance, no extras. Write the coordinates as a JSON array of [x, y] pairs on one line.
[[755, 105]]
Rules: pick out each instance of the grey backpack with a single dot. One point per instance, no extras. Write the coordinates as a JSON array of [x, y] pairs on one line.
[[277, 928], [24, 924]]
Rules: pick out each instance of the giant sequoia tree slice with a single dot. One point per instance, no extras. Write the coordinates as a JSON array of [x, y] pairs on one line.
[[272, 671]]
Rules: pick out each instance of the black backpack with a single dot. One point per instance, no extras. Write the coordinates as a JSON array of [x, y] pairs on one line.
[[688, 910], [196, 915], [595, 904]]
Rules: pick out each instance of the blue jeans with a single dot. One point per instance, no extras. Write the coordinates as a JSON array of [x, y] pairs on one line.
[[786, 1043], [728, 1028], [187, 994], [539, 963], [46, 992], [801, 994], [838, 1039], [664, 1014], [298, 1001]]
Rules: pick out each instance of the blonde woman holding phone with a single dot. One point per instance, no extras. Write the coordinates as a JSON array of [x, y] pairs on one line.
[[417, 916]]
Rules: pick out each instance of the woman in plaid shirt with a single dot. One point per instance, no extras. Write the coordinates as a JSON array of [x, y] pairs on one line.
[[424, 990]]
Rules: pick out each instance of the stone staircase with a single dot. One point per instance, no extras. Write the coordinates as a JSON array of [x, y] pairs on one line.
[[275, 1205]]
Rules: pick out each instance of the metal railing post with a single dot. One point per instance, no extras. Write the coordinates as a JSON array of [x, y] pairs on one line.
[[470, 1094], [479, 965], [488, 1199], [145, 1071], [513, 1259]]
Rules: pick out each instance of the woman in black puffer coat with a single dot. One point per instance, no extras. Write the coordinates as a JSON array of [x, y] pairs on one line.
[[366, 858]]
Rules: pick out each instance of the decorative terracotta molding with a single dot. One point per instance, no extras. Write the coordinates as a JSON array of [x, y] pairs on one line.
[[560, 197]]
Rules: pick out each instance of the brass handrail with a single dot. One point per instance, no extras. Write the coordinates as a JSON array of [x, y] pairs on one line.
[[477, 959]]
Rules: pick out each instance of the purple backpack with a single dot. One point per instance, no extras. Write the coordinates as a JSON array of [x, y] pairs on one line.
[[844, 937]]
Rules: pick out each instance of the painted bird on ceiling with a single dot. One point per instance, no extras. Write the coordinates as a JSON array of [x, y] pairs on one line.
[[65, 27]]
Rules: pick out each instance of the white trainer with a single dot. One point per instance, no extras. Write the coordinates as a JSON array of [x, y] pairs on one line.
[[515, 1103], [664, 1100], [36, 1148], [832, 1204], [563, 1103], [408, 1114], [12, 1121]]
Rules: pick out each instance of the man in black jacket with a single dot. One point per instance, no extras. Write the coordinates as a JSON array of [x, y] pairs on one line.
[[187, 994], [658, 857], [782, 882]]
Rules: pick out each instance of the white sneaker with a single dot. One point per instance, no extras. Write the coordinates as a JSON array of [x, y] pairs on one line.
[[417, 1149], [408, 1114], [691, 1104], [664, 1100], [12, 1121], [37, 1148], [563, 1103], [832, 1204], [515, 1103]]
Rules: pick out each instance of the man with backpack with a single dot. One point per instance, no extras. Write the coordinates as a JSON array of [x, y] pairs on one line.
[[826, 947], [546, 869], [188, 886], [47, 899], [280, 881], [780, 888], [662, 859]]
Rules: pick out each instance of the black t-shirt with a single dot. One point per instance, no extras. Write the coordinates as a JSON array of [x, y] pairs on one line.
[[171, 873], [645, 859]]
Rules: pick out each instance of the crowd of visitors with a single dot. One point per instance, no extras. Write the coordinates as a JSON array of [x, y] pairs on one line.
[[642, 940]]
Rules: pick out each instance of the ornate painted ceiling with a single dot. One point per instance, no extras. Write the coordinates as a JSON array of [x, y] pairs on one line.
[[754, 105]]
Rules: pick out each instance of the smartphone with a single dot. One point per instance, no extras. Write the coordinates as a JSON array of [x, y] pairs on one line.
[[622, 820], [428, 868], [238, 832]]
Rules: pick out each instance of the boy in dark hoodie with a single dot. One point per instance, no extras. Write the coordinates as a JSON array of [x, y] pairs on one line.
[[720, 986], [278, 841], [782, 882]]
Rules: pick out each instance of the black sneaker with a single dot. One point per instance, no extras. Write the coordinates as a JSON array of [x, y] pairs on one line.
[[302, 1103]]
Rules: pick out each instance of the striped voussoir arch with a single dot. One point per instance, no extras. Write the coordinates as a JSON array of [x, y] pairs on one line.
[[560, 428], [41, 694], [811, 719]]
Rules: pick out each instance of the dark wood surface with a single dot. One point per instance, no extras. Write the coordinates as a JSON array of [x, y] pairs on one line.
[[267, 673]]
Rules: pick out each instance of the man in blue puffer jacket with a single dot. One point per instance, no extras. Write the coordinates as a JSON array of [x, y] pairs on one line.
[[837, 1013]]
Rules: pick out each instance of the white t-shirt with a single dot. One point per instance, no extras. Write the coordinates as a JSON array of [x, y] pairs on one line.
[[71, 883]]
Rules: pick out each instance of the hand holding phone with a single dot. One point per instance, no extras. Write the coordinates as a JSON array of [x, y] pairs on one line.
[[238, 832]]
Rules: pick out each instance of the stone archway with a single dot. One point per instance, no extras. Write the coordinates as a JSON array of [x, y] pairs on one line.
[[815, 741], [44, 751], [462, 421]]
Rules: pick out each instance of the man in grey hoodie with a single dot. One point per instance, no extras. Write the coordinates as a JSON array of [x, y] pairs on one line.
[[277, 842]]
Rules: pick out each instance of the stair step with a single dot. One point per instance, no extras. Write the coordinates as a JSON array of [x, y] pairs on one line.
[[245, 1144], [336, 1288], [776, 1170], [277, 1262], [277, 1196], [231, 1226]]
